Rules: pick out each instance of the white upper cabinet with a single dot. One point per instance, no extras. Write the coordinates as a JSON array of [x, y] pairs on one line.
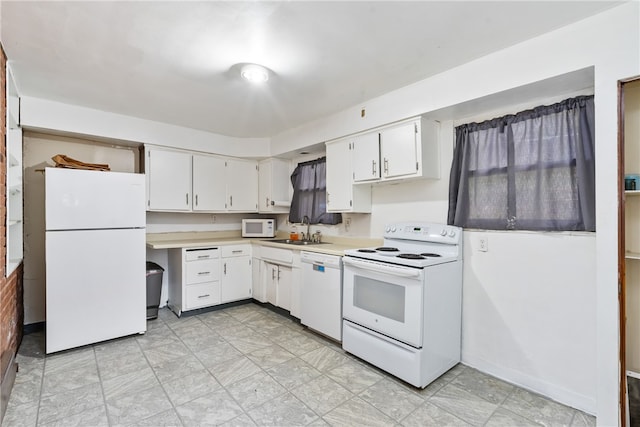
[[410, 150], [242, 185], [342, 195], [190, 182], [273, 185], [209, 183], [168, 180], [366, 157]]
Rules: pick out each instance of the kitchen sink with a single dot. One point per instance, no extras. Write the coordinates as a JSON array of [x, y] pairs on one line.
[[295, 242]]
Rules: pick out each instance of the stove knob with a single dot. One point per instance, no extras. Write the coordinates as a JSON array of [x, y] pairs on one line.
[[443, 232], [393, 229], [452, 233], [388, 229]]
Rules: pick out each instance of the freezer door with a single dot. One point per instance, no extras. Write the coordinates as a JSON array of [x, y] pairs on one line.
[[96, 286], [81, 199]]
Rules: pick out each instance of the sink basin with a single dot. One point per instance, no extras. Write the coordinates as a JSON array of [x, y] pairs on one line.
[[295, 242]]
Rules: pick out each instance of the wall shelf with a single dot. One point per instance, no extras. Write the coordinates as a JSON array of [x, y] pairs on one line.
[[14, 201]]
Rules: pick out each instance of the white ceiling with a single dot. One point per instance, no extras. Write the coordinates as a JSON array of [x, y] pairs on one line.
[[175, 62]]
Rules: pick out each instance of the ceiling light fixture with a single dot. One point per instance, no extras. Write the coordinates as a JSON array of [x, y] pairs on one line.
[[254, 73]]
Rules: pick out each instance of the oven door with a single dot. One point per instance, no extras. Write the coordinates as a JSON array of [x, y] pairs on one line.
[[386, 298]]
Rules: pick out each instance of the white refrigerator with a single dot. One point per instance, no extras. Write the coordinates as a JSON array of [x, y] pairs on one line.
[[95, 256]]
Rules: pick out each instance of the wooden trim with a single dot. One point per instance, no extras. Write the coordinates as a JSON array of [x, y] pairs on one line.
[[622, 394], [622, 284]]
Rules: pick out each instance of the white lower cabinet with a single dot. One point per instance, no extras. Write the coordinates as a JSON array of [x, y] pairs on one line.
[[194, 278], [280, 279], [236, 273]]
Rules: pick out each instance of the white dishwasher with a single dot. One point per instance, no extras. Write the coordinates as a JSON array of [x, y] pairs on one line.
[[321, 293]]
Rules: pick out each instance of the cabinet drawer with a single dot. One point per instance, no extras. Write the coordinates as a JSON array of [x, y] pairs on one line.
[[202, 271], [235, 250], [201, 254], [202, 295]]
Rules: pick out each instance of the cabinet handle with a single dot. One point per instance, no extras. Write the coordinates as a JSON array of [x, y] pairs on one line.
[[237, 251], [203, 256], [204, 296], [373, 167], [202, 273], [230, 200], [278, 274], [225, 268], [187, 198], [386, 166], [196, 200]]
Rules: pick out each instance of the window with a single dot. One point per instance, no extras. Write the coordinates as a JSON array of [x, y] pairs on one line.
[[309, 181], [534, 170]]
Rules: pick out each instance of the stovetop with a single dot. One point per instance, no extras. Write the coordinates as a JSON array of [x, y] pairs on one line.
[[415, 245]]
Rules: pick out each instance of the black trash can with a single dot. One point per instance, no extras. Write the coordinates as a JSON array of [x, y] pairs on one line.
[[154, 288]]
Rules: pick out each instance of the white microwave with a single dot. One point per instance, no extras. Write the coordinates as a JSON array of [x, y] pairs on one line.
[[258, 228]]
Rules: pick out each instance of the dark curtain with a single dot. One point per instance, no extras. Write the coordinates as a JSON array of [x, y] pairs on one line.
[[534, 170], [309, 181]]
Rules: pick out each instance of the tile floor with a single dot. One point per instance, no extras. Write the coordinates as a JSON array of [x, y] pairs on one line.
[[246, 365]]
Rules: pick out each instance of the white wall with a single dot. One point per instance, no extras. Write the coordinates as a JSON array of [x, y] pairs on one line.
[[37, 154], [585, 375], [54, 116]]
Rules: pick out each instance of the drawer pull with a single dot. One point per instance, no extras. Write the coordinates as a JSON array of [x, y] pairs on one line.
[[203, 256], [202, 273], [237, 251], [204, 296]]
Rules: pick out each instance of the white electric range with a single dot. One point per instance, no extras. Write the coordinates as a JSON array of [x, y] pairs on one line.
[[402, 301]]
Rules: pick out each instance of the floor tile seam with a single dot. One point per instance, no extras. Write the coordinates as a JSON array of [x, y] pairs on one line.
[[158, 381], [323, 374], [357, 396], [361, 395], [41, 395], [401, 422], [516, 414], [266, 371], [104, 396], [444, 409], [73, 413], [525, 416]]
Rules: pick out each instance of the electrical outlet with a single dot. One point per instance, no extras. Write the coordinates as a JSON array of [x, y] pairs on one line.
[[213, 219], [347, 224], [483, 244]]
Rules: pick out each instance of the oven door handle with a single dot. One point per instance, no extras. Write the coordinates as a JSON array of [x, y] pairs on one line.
[[381, 268]]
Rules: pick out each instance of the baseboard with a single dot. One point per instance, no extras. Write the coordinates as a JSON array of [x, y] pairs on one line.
[[536, 385], [33, 327], [7, 385]]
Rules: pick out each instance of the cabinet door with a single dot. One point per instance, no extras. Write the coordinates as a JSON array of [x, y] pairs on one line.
[[284, 287], [236, 279], [169, 180], [366, 157], [273, 185], [271, 282], [265, 185], [339, 187], [209, 183], [242, 186], [399, 151]]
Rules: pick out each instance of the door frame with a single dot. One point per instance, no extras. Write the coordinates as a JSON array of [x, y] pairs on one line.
[[622, 292]]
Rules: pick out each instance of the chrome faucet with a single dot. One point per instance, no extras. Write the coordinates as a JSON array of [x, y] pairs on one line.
[[306, 236]]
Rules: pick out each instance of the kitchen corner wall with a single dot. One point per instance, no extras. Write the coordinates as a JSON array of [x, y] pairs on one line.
[[11, 306], [566, 284]]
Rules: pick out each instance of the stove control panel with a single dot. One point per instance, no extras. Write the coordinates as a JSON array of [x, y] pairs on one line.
[[429, 232]]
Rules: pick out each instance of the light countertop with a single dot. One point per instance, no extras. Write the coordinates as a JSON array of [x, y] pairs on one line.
[[332, 245]]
